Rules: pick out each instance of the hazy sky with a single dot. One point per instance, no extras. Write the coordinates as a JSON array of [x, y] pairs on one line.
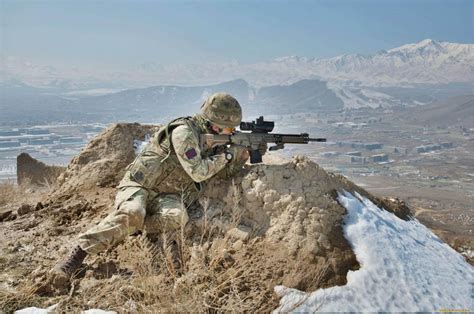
[[117, 33]]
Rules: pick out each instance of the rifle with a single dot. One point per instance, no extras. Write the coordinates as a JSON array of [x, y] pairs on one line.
[[259, 133]]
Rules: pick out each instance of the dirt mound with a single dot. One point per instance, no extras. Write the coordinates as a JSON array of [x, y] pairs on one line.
[[273, 224], [291, 207], [102, 162], [32, 171]]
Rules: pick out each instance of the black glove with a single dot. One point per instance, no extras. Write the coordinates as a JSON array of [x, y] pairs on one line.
[[219, 149]]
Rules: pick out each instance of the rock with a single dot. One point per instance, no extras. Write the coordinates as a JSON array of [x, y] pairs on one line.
[[323, 241], [102, 162], [39, 206], [227, 259], [32, 171], [238, 245], [55, 231], [5, 214], [198, 253], [396, 206], [239, 233], [25, 209]]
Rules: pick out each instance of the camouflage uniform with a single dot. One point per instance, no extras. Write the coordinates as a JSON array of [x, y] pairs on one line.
[[160, 184], [162, 181]]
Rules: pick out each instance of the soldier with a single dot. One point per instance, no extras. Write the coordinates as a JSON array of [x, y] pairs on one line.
[[164, 180]]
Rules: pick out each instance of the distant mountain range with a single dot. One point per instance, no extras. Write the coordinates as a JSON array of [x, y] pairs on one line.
[[166, 101], [455, 111], [423, 73], [426, 62]]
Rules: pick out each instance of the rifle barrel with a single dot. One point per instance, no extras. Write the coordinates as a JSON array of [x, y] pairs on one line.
[[319, 139], [302, 138]]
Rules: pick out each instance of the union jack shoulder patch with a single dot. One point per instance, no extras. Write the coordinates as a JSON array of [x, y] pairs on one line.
[[191, 153]]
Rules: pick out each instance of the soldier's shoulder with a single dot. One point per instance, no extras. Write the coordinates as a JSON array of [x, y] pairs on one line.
[[183, 132], [183, 129]]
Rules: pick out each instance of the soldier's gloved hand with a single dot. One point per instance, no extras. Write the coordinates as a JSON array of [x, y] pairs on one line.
[[219, 149], [240, 155], [238, 152]]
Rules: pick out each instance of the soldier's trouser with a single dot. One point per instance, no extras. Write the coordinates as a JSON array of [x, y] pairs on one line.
[[164, 212]]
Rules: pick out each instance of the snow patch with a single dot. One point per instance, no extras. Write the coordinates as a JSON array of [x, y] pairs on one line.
[[404, 267], [138, 146], [37, 310]]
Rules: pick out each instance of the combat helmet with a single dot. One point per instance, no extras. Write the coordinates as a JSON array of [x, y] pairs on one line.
[[222, 110]]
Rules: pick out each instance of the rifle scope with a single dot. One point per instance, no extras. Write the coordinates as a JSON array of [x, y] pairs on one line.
[[258, 126]]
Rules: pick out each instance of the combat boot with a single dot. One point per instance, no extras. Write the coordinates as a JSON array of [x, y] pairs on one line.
[[63, 271]]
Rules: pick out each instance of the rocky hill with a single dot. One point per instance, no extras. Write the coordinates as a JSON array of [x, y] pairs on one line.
[[453, 112], [275, 223]]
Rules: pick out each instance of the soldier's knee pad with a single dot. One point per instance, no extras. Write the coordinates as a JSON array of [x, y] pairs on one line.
[[130, 194], [173, 211], [134, 209], [174, 218]]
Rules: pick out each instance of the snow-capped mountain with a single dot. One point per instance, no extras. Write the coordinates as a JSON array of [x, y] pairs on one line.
[[425, 62], [428, 62], [54, 79]]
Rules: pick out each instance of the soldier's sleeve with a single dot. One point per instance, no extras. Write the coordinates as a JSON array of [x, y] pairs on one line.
[[186, 146]]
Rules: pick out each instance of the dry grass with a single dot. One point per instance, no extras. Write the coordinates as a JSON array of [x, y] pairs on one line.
[[8, 192], [12, 194], [25, 297], [178, 272], [200, 279], [315, 281]]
